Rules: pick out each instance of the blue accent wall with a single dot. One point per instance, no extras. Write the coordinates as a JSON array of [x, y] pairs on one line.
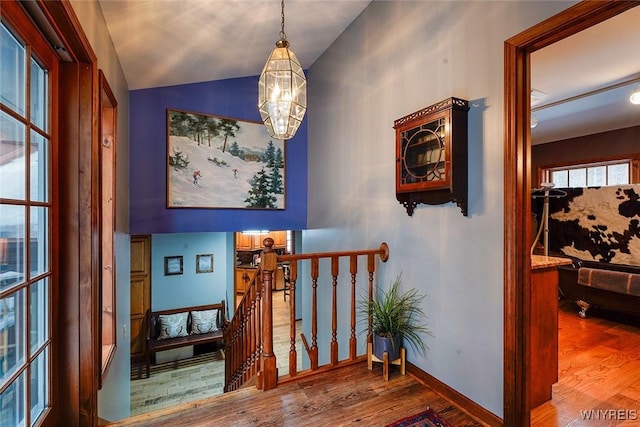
[[234, 98], [191, 288]]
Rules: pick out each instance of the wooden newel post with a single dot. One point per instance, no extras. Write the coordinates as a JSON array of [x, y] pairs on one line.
[[268, 265]]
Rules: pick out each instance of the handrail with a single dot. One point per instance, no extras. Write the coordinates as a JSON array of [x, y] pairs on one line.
[[249, 338], [242, 337], [383, 251]]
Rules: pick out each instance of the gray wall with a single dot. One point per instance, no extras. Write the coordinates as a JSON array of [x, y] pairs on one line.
[[397, 58], [113, 398]]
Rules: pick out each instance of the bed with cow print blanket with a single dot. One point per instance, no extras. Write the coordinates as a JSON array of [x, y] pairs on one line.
[[599, 228]]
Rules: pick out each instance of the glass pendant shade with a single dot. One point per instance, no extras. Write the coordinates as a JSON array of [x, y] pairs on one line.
[[282, 92]]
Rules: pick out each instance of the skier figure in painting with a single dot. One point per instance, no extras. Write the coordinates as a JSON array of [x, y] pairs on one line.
[[235, 173], [196, 177]]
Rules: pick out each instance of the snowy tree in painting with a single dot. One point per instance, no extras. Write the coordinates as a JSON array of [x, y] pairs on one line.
[[276, 186], [278, 159], [259, 195], [234, 150], [228, 128], [178, 160]]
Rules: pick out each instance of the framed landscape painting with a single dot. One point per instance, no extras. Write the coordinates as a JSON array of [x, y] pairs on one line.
[[220, 162]]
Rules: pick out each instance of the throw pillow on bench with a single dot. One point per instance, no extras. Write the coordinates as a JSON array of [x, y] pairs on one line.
[[187, 323], [203, 322], [173, 325]]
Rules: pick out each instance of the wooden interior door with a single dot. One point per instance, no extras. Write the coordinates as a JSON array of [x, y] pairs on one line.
[[140, 292]]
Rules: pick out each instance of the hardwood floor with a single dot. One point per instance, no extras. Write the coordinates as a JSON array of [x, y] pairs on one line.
[[282, 341], [599, 385], [175, 382], [349, 396], [352, 395], [599, 373]]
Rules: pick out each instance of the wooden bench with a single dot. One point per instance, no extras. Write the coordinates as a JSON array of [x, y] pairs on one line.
[[161, 330]]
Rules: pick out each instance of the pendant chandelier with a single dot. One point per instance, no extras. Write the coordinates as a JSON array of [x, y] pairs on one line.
[[282, 90]]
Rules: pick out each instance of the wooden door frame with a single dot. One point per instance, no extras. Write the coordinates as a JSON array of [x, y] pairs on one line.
[[517, 187], [135, 275], [77, 348]]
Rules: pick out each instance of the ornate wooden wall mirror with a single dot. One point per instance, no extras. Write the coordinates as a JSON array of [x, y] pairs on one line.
[[517, 182], [108, 114]]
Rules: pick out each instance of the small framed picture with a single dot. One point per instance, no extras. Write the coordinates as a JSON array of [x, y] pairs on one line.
[[204, 263], [172, 265]]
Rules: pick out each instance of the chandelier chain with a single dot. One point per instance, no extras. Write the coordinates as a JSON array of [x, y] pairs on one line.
[[283, 36]]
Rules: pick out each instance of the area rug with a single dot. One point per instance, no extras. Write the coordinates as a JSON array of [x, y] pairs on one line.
[[428, 418]]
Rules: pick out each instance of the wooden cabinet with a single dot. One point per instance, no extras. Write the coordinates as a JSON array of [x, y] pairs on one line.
[[431, 155], [279, 239], [253, 242], [247, 245], [244, 242], [257, 241], [243, 276], [543, 327], [544, 334]]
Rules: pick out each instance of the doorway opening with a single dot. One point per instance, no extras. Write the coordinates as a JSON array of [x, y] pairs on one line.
[[518, 184]]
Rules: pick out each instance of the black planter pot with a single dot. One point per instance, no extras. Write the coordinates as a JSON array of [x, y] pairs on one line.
[[390, 345]]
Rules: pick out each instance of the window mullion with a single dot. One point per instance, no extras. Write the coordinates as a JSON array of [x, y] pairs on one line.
[[27, 243]]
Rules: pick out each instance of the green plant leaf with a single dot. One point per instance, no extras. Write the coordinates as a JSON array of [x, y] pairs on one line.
[[393, 312]]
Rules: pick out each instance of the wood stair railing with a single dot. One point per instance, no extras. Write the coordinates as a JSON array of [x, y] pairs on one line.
[[243, 337], [249, 336]]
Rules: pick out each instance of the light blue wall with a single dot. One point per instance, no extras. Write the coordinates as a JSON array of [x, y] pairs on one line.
[[114, 396], [190, 288], [397, 58]]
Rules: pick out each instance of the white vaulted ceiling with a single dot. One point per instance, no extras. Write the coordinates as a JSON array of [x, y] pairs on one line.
[[171, 42], [603, 56]]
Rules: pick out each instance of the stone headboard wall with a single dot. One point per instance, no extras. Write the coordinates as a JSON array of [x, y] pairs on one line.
[[596, 224]]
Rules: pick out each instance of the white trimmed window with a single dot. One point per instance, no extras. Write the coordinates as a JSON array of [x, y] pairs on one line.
[[597, 174]]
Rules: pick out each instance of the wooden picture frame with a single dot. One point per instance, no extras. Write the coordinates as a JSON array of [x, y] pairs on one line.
[[219, 162], [173, 265], [204, 263]]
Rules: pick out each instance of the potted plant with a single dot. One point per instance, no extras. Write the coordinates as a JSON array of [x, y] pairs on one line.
[[396, 316]]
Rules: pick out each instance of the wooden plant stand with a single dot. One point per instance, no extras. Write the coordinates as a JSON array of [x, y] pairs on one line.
[[385, 361]]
